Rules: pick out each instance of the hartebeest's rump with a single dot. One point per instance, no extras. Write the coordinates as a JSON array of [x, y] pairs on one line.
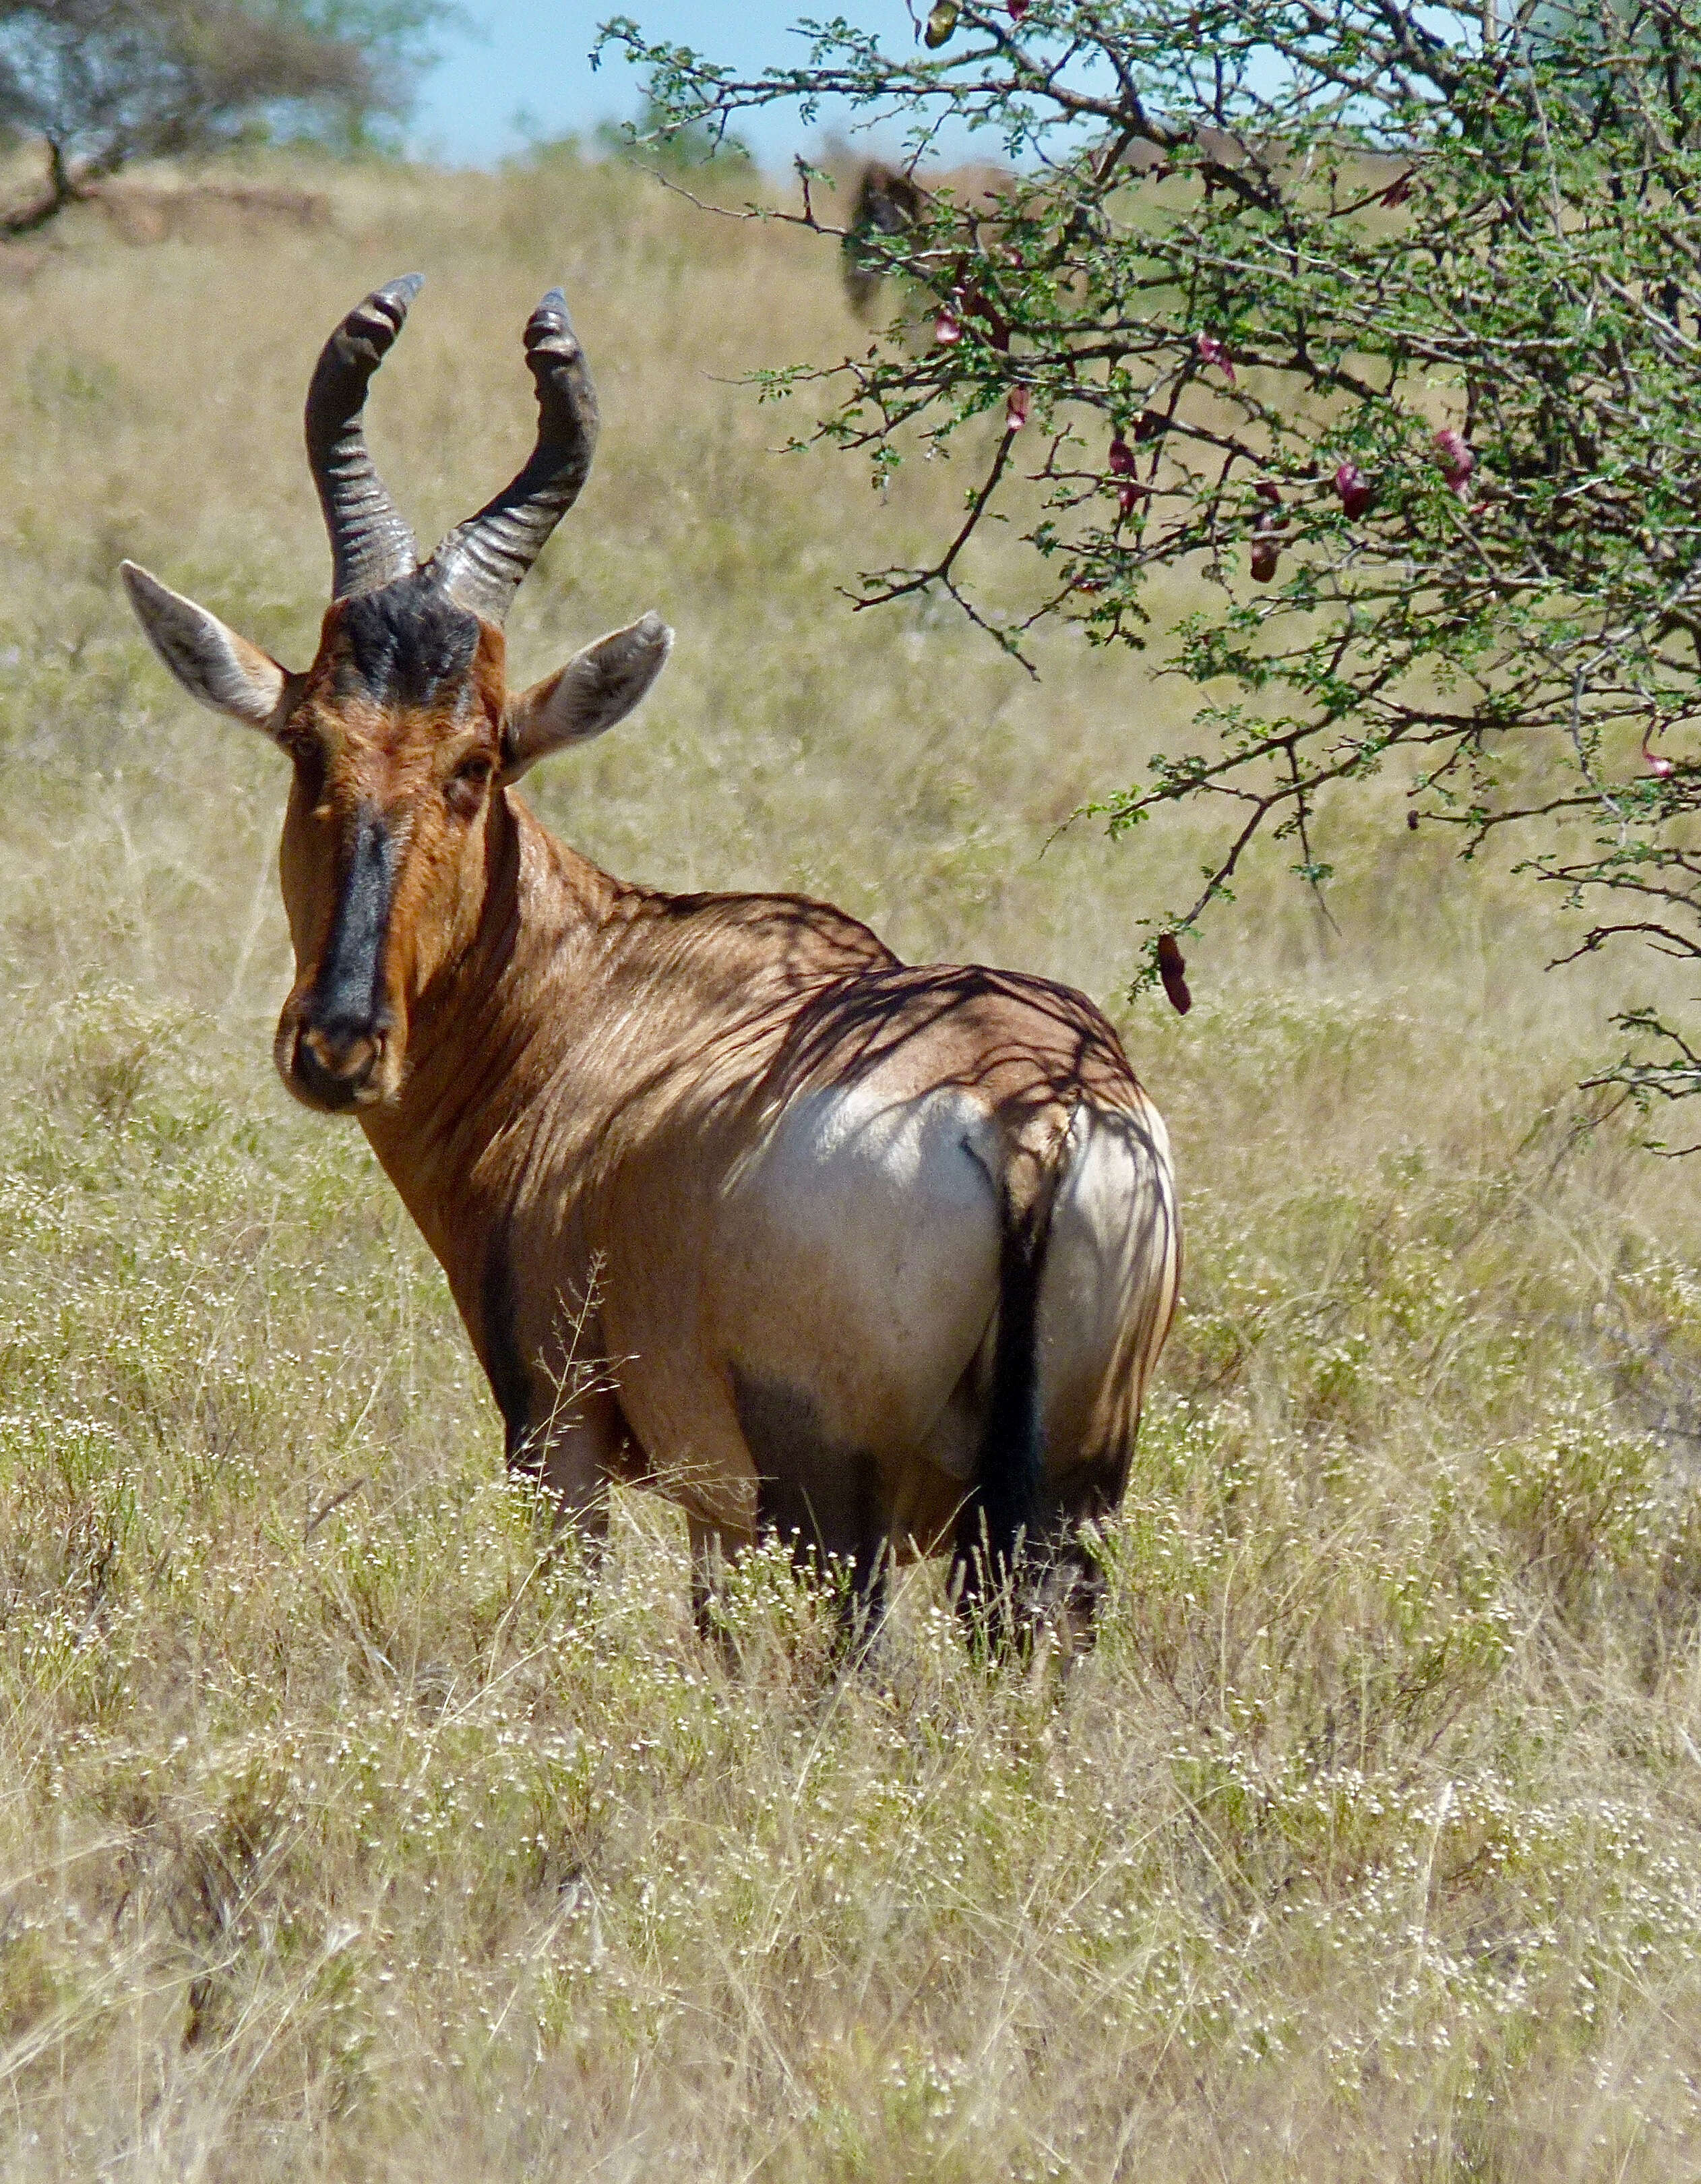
[[882, 1255]]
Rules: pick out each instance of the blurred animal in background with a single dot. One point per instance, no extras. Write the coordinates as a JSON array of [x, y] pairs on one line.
[[969, 203], [734, 1204], [198, 212], [888, 202]]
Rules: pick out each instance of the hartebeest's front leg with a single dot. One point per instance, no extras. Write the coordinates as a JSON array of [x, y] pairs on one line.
[[575, 1453], [709, 1549]]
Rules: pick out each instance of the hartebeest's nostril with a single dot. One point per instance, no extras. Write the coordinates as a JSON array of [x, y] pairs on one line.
[[352, 1060], [334, 1072]]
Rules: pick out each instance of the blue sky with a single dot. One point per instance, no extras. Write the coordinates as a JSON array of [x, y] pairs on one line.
[[521, 66]]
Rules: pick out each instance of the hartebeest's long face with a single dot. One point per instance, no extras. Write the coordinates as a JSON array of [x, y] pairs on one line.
[[403, 732]]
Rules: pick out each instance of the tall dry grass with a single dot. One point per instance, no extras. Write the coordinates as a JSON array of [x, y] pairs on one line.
[[345, 1831]]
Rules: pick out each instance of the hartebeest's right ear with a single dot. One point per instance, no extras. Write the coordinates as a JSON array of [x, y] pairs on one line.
[[213, 664], [597, 687]]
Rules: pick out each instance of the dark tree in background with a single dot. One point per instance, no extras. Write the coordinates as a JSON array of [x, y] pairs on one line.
[[102, 83], [1383, 319]]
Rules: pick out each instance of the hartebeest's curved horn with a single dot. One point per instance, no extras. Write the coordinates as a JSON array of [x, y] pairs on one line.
[[370, 545], [480, 563]]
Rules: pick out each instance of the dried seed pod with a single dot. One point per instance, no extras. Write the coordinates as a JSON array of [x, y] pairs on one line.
[[1122, 462], [1172, 968], [976, 306], [1266, 546]]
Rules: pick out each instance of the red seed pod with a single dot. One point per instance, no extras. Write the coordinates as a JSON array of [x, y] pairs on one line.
[[1148, 424], [1399, 190], [1266, 491], [948, 327], [1453, 455], [1121, 457], [1656, 762], [1354, 489], [1172, 968], [1018, 9], [1016, 409], [1210, 350]]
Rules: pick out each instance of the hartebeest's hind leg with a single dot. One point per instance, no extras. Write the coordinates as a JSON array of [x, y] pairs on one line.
[[998, 1530], [1088, 1267], [835, 1532], [861, 1579]]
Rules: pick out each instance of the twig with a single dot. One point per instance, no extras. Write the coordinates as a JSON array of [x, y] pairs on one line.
[[330, 1508]]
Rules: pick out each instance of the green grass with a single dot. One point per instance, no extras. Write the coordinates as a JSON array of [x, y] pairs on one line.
[[348, 1831]]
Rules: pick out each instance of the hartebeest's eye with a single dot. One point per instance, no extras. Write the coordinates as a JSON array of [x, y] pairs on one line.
[[468, 784], [309, 754]]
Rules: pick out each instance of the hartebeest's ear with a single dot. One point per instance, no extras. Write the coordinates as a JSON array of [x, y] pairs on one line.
[[213, 664], [597, 687]]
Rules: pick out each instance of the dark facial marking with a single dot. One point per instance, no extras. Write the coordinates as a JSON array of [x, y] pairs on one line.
[[406, 645], [347, 997]]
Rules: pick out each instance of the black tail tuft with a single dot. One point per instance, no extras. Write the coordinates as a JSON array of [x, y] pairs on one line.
[[1003, 1510]]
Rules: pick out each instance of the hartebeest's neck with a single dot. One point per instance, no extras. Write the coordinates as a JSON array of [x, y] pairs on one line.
[[487, 1033]]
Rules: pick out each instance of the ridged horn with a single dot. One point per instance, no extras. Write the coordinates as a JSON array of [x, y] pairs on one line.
[[370, 545], [481, 562]]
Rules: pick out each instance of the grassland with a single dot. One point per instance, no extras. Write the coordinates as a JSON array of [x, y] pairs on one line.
[[347, 1832]]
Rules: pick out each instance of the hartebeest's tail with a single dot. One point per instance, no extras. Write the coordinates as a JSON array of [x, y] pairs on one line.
[[1004, 1510]]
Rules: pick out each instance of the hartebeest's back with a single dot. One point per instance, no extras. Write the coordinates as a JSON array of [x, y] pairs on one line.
[[882, 1256]]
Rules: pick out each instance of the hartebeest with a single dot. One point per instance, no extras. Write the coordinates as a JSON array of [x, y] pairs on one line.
[[883, 1256]]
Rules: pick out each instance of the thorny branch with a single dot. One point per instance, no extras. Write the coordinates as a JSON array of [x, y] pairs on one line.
[[1378, 321]]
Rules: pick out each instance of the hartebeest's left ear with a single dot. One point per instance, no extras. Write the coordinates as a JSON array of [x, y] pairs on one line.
[[213, 664], [597, 687]]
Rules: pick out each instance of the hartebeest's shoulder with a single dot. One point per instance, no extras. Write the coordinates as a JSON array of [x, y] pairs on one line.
[[738, 967]]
